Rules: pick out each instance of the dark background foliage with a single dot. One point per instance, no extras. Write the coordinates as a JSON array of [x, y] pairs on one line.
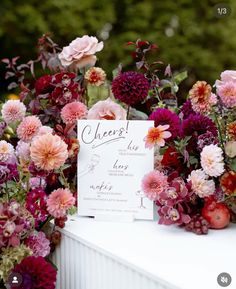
[[187, 32]]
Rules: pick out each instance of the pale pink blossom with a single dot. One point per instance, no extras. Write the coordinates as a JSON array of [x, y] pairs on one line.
[[200, 183], [48, 152], [81, 52], [6, 151], [23, 150], [73, 111], [226, 76], [153, 184], [28, 128], [12, 111], [230, 149], [227, 93], [59, 201], [212, 160], [107, 110]]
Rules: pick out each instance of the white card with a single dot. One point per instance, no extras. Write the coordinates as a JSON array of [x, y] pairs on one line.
[[111, 165]]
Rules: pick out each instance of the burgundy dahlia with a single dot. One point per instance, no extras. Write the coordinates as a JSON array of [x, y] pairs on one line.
[[130, 87], [163, 116], [205, 140], [7, 172], [36, 273], [187, 109]]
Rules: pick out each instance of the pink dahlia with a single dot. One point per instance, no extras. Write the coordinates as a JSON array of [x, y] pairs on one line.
[[163, 116], [200, 97], [23, 150], [48, 152], [107, 110], [153, 184], [36, 273], [28, 128], [130, 87], [95, 76], [73, 111], [227, 93], [13, 110], [59, 202], [38, 243], [6, 151]]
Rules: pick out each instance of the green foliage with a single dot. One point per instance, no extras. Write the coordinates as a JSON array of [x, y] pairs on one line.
[[187, 32]]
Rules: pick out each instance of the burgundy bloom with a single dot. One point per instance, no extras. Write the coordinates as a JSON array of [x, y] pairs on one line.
[[187, 109], [7, 172], [130, 87], [36, 273], [62, 95], [172, 159], [205, 140], [170, 215], [162, 116], [63, 78], [36, 204], [44, 85]]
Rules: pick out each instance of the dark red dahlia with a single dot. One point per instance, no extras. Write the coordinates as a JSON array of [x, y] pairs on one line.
[[44, 85], [130, 87], [187, 109], [162, 116], [36, 204], [36, 273], [197, 125], [172, 159]]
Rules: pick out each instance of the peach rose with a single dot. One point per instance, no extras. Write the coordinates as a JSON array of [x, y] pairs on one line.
[[81, 52], [107, 110]]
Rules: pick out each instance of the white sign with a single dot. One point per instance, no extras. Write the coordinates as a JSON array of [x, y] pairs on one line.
[[111, 165]]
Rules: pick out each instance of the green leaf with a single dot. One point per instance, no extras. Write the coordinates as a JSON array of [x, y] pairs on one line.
[[178, 78]]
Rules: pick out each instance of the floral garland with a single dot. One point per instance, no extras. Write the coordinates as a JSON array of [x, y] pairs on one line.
[[194, 181]]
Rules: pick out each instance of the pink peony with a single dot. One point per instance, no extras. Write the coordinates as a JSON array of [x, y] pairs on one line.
[[80, 52], [107, 109], [6, 151], [59, 202], [13, 110], [73, 111], [48, 152], [227, 93], [153, 184], [39, 244], [28, 128]]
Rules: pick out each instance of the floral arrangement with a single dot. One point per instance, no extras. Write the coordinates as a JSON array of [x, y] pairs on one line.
[[194, 181]]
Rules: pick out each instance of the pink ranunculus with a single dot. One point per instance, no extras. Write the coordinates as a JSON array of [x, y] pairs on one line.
[[81, 52], [107, 110]]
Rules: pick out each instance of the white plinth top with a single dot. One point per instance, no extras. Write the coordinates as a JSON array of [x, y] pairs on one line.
[[183, 259]]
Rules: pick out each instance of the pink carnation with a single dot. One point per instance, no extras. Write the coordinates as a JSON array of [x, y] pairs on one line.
[[39, 244], [153, 184], [73, 111], [13, 110], [48, 152], [29, 128], [59, 202], [227, 93], [107, 110]]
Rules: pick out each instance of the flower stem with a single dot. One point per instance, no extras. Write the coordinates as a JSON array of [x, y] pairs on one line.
[[127, 116], [220, 132]]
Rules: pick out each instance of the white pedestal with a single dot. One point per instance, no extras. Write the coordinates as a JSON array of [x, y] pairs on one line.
[[142, 255]]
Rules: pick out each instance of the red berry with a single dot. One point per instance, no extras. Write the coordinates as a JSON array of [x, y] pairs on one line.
[[55, 237], [217, 214]]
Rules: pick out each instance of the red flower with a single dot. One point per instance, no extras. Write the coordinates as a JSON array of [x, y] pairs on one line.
[[171, 159], [44, 85], [36, 273]]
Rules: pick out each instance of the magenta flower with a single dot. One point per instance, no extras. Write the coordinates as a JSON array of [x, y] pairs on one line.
[[38, 243]]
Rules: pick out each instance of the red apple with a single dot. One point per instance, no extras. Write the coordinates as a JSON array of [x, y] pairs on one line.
[[217, 214]]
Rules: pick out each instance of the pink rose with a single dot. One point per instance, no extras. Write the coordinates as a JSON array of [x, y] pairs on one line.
[[80, 52], [227, 75], [107, 110]]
